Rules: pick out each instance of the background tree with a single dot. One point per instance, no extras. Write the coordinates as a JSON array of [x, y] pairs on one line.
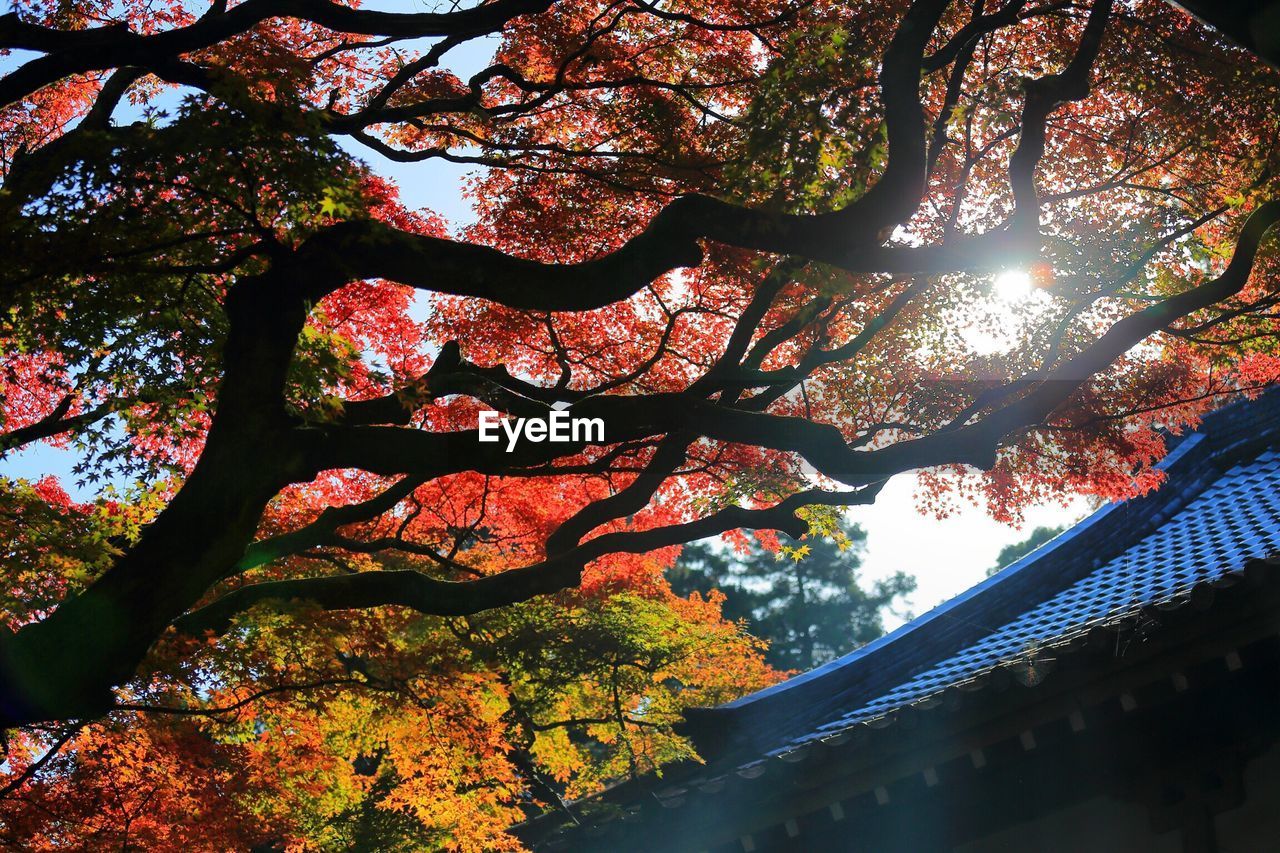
[[804, 599], [777, 247], [1017, 550]]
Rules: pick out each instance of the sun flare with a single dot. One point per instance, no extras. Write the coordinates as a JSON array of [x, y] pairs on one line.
[[1012, 285]]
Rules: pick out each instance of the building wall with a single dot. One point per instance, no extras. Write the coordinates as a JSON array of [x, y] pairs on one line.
[[1105, 825], [1098, 825], [1256, 824]]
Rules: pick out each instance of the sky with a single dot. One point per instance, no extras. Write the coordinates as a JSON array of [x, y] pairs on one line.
[[946, 556]]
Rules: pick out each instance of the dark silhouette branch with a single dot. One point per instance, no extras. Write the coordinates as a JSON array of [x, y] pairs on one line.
[[428, 595], [57, 422], [69, 52]]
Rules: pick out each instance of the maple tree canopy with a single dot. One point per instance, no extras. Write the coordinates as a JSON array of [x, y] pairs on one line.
[[782, 249]]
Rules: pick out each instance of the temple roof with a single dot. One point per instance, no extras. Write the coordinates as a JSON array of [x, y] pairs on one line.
[[1218, 508]]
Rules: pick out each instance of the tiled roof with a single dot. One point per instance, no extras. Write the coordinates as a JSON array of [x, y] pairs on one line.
[[1219, 508], [1238, 517]]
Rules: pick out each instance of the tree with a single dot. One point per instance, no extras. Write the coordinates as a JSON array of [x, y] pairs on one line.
[[1010, 554], [761, 241], [803, 599]]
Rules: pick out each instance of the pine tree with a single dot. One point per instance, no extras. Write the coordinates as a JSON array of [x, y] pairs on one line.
[[811, 609], [1011, 553]]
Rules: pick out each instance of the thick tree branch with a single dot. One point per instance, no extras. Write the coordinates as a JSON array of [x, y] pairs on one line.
[[369, 249], [389, 450], [56, 422], [1043, 96], [319, 531], [69, 52], [459, 598]]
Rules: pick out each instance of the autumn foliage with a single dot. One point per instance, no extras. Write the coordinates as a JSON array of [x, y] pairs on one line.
[[291, 601]]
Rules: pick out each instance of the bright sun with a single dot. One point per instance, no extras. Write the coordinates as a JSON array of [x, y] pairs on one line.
[[1012, 286], [998, 320]]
